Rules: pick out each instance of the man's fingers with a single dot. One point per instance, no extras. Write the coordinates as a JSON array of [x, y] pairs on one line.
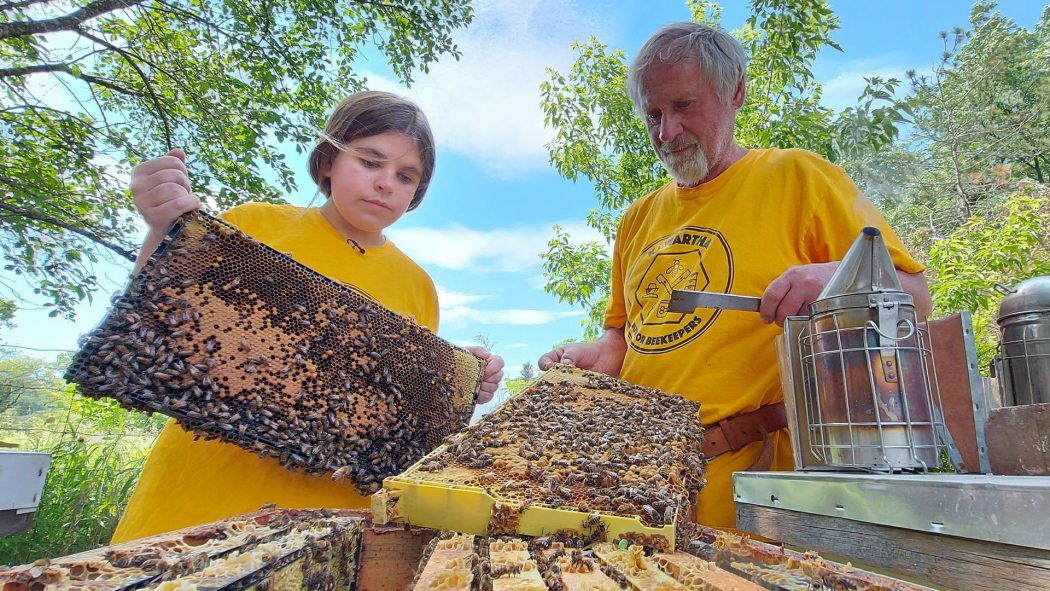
[[792, 304], [767, 309], [549, 359]]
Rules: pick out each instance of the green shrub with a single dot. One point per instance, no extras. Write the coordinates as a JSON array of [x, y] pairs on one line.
[[97, 451]]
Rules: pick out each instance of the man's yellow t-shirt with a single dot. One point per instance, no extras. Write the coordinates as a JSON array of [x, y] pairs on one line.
[[187, 482], [771, 210]]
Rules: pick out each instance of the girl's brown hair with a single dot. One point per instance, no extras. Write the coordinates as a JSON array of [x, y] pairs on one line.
[[364, 114]]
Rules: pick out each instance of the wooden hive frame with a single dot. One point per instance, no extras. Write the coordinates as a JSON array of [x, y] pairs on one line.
[[272, 548], [238, 341], [574, 451]]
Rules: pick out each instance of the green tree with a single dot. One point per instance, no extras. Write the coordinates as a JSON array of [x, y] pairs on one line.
[[517, 384], [597, 135], [973, 263], [89, 87], [981, 115], [976, 136], [29, 385]]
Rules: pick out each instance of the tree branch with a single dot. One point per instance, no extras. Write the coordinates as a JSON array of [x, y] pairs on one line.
[[45, 219], [17, 5], [66, 69], [68, 22], [131, 61]]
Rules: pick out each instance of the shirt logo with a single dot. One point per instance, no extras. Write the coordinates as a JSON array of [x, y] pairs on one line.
[[692, 258]]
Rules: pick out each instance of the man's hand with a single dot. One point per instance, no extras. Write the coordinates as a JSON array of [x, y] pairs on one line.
[[793, 292], [604, 355], [161, 190], [491, 375], [798, 287]]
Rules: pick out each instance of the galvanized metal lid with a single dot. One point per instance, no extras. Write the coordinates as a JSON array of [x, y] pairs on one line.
[[1029, 296], [866, 269]]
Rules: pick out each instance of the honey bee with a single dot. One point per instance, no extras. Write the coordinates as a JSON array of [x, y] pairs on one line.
[[505, 570], [592, 521]]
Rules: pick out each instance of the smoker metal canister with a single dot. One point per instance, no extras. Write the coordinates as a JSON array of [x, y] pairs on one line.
[[866, 389], [1022, 362]]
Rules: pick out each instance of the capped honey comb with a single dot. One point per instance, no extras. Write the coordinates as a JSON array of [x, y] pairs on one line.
[[238, 341], [575, 450], [276, 549]]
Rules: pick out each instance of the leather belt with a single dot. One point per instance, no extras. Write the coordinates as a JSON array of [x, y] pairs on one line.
[[735, 432]]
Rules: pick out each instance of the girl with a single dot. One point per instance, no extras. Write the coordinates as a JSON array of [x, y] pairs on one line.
[[373, 163]]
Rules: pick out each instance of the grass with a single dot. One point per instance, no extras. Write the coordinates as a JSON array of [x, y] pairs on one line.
[[97, 451]]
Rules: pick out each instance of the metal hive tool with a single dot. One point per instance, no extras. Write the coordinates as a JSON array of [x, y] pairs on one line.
[[575, 450], [287, 549], [238, 341]]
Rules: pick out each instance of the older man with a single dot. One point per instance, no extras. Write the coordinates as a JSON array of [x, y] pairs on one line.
[[773, 222]]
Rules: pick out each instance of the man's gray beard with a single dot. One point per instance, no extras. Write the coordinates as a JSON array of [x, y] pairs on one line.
[[689, 171]]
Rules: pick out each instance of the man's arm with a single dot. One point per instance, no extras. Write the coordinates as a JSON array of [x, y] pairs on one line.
[[915, 284], [604, 355], [798, 287]]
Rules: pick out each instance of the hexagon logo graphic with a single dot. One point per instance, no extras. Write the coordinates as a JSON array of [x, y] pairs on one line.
[[692, 258]]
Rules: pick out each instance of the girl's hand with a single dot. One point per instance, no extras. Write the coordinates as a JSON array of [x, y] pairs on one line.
[[161, 190], [491, 375]]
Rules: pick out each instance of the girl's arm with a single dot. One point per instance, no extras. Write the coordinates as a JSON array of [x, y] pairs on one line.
[[491, 375], [161, 191]]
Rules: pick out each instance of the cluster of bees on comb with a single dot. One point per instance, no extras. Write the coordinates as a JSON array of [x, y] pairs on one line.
[[240, 342], [578, 441], [270, 549]]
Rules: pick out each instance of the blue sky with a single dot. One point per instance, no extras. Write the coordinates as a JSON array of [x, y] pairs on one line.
[[494, 198]]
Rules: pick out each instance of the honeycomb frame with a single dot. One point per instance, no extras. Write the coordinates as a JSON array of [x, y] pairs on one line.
[[238, 341], [574, 451], [271, 548]]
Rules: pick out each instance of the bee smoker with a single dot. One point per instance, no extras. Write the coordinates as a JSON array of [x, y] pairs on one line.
[[857, 373], [1022, 362]]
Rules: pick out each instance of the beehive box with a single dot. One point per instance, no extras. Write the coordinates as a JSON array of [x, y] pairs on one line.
[[238, 341], [779, 568], [565, 563], [277, 550], [576, 451]]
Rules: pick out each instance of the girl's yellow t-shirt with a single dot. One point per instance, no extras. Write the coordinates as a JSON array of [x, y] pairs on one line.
[[771, 210], [187, 482]]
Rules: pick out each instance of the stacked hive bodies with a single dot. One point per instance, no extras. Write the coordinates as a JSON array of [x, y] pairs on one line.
[[238, 341], [279, 550], [575, 450], [562, 562]]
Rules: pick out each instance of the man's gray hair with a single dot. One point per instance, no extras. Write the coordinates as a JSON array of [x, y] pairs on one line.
[[721, 57]]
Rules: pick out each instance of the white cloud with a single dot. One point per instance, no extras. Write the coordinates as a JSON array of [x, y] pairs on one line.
[[517, 346], [847, 79], [457, 311], [465, 316], [486, 106], [455, 299], [501, 250]]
